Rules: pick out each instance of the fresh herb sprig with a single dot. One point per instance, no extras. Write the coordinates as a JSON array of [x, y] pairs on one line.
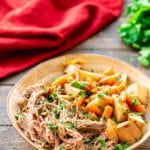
[[136, 30]]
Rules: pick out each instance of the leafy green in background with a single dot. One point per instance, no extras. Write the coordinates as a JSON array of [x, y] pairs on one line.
[[136, 30]]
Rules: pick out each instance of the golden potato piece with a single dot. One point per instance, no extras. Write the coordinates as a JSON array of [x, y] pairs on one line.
[[128, 132], [70, 90], [137, 120], [111, 130], [84, 75], [121, 109], [139, 91]]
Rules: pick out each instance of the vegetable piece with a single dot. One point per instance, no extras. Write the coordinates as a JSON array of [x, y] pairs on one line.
[[79, 101], [111, 130], [62, 80], [73, 62], [123, 96], [135, 105], [108, 99], [139, 91], [66, 97], [78, 84], [109, 79], [52, 97], [109, 71], [72, 91], [107, 112], [84, 75], [102, 143], [96, 106], [128, 132], [137, 119], [121, 109], [72, 68]]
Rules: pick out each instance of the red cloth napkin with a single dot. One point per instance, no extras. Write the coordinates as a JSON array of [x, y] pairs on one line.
[[34, 30]]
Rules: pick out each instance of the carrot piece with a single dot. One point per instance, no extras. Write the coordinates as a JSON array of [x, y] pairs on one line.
[[84, 75], [135, 105], [140, 108], [110, 80], [94, 107], [122, 86], [109, 71], [108, 99], [62, 80], [79, 101], [107, 112]]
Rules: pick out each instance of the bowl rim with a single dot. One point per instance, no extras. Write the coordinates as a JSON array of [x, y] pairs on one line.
[[19, 131]]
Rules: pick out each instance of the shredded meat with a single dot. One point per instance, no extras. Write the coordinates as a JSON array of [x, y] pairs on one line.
[[55, 125]]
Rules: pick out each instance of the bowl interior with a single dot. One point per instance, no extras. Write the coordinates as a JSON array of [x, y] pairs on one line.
[[46, 71]]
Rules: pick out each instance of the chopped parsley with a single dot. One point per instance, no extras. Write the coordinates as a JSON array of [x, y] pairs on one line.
[[135, 101], [85, 115], [62, 147], [57, 110], [16, 117], [42, 143], [101, 142], [69, 125], [54, 79], [78, 85], [83, 94], [122, 146], [118, 79], [107, 93], [87, 148], [100, 95], [22, 106], [52, 97], [74, 109], [104, 117], [51, 126], [86, 140]]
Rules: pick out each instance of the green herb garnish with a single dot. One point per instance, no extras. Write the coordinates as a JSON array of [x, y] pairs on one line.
[[135, 101], [135, 30], [62, 147], [107, 93], [69, 125], [122, 146], [100, 95], [78, 84], [85, 115], [118, 79], [16, 117], [52, 97], [51, 126], [86, 140], [104, 117], [83, 94], [101, 142]]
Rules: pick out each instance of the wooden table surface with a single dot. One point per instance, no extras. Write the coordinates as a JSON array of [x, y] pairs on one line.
[[106, 42]]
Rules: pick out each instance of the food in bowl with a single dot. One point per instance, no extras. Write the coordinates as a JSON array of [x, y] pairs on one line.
[[84, 110]]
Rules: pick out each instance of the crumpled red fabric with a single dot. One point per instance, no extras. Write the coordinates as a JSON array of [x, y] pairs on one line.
[[34, 30]]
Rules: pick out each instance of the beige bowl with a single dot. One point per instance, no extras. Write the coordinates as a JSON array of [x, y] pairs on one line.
[[46, 71]]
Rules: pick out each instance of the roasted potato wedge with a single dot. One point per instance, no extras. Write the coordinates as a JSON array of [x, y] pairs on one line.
[[70, 90], [139, 91], [128, 132], [121, 109], [137, 120], [111, 130]]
